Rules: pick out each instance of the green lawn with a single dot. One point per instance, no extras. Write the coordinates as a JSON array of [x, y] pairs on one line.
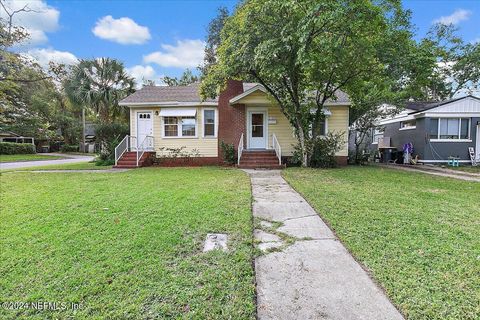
[[127, 245], [69, 166], [417, 233], [26, 157]]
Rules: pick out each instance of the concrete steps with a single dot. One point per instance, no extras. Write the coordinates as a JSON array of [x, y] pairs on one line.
[[261, 159], [129, 160]]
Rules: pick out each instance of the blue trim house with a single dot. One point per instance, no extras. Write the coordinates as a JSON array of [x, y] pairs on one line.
[[437, 130]]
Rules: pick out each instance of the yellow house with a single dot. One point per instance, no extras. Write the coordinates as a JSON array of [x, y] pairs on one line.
[[173, 122]]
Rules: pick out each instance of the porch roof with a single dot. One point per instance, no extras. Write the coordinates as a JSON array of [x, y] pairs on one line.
[[341, 98]]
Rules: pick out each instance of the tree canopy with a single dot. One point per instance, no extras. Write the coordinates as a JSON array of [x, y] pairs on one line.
[[304, 52], [100, 84]]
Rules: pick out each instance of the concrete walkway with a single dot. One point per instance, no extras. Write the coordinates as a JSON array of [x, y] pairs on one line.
[[70, 158], [305, 272]]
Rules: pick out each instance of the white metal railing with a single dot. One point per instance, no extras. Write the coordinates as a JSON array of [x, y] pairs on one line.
[[277, 147], [146, 145], [121, 148], [240, 148]]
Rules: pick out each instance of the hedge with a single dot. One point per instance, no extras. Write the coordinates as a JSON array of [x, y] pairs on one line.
[[69, 148], [16, 148]]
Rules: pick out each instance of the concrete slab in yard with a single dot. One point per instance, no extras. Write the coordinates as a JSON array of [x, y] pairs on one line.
[[215, 241], [317, 280]]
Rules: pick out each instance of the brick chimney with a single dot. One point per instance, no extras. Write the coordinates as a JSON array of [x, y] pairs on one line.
[[231, 122]]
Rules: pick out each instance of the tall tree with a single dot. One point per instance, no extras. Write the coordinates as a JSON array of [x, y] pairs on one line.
[[99, 84], [213, 39], [304, 52], [185, 79]]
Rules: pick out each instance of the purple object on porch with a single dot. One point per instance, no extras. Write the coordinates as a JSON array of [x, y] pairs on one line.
[[408, 147]]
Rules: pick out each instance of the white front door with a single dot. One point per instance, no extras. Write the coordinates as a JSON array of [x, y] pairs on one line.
[[144, 128], [477, 147], [257, 130]]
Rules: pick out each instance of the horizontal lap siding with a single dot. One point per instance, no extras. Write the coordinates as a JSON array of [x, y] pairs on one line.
[[207, 147], [282, 129], [338, 122]]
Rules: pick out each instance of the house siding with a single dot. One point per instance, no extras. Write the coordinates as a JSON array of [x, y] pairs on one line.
[[430, 150], [443, 150], [206, 146], [337, 122], [400, 137]]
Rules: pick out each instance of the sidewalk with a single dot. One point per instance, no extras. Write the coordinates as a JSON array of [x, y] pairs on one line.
[[71, 158], [305, 272]]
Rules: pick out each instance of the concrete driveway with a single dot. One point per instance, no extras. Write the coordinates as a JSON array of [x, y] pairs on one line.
[[69, 158]]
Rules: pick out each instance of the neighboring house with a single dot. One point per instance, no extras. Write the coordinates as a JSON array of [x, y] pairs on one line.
[[243, 115], [437, 130], [9, 136]]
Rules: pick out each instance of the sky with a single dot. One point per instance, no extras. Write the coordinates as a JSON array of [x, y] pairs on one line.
[[157, 38]]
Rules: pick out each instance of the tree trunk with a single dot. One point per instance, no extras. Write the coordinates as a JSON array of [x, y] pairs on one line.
[[303, 147]]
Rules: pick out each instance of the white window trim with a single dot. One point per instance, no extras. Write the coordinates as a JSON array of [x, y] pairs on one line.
[[408, 128], [459, 130], [179, 129], [450, 140], [215, 124]]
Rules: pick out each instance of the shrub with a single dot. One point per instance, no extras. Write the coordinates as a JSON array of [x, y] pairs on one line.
[[228, 152], [16, 148], [106, 162], [69, 148], [109, 136], [321, 150]]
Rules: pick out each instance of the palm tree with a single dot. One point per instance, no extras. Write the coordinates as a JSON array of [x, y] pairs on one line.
[[99, 84]]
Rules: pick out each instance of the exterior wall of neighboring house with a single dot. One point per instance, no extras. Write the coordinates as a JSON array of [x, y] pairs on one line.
[[399, 137], [443, 150], [206, 146], [432, 150]]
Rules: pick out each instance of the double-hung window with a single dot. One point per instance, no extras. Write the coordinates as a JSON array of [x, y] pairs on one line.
[[377, 134], [179, 126], [449, 129], [209, 123]]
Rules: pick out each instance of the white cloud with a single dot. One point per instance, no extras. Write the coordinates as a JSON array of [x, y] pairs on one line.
[[44, 56], [185, 54], [140, 73], [40, 19], [456, 17], [123, 30]]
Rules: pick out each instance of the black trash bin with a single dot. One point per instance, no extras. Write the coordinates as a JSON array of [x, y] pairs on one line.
[[387, 155]]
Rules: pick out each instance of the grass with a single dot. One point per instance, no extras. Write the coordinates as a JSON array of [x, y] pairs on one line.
[[127, 245], [417, 233], [26, 157], [69, 166], [62, 166]]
